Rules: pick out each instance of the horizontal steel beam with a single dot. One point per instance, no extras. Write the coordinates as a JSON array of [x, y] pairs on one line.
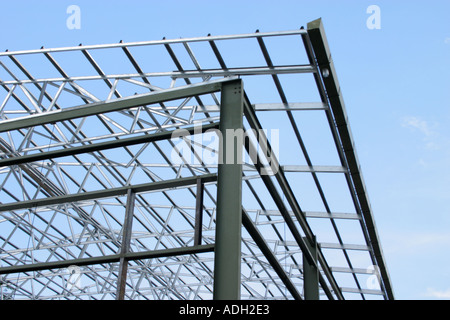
[[165, 135], [112, 105], [300, 168], [251, 71], [245, 167], [316, 214], [362, 291], [130, 256], [329, 245], [370, 271], [203, 73], [156, 42], [344, 246], [106, 193], [292, 106]]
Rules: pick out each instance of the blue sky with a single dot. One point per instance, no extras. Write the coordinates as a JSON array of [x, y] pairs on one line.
[[395, 82]]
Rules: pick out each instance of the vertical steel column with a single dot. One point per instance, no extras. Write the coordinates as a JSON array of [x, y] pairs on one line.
[[198, 213], [311, 273], [125, 247], [227, 257]]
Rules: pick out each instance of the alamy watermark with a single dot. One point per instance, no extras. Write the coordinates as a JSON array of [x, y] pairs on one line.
[[374, 20], [213, 148], [373, 281], [74, 19], [74, 281]]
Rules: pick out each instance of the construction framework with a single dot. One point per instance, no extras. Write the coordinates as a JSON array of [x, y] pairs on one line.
[[240, 182]]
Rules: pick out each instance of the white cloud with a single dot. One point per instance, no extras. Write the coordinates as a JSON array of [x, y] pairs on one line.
[[447, 40], [438, 294], [427, 129], [419, 124]]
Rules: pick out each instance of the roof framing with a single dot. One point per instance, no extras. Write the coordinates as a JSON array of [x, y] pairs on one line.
[[75, 145]]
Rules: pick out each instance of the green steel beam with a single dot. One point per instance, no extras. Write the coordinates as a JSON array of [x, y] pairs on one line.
[[311, 273], [130, 256], [198, 213], [107, 193], [316, 33], [125, 244], [227, 261], [159, 136], [113, 105]]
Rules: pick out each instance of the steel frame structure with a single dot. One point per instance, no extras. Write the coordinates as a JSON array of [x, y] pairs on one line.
[[99, 199]]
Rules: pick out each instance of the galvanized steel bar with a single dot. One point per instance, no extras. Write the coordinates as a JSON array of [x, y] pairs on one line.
[[203, 73], [155, 42]]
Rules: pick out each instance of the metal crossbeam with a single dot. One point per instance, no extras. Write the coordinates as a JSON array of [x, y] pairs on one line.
[[110, 106], [130, 256]]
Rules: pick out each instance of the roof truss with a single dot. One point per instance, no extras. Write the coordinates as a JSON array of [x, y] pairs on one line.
[[81, 133]]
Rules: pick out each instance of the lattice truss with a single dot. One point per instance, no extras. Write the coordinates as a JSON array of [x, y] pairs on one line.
[[86, 140]]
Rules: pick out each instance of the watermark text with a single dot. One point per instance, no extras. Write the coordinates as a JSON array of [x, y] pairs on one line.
[[215, 147], [74, 20]]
